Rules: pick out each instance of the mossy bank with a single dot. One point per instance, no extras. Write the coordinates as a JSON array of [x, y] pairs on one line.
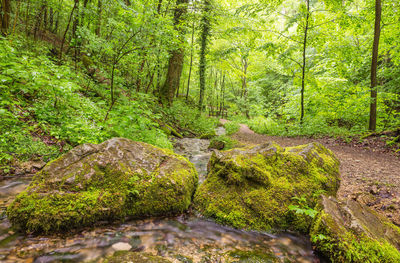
[[253, 188], [110, 181], [351, 232]]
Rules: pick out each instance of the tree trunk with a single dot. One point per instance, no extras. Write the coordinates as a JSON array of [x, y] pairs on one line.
[[45, 17], [191, 61], [304, 62], [38, 23], [5, 17], [374, 65], [175, 65], [221, 105], [205, 32], [66, 30], [51, 19], [244, 86], [159, 6]]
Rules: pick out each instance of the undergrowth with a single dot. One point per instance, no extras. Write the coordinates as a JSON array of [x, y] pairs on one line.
[[46, 108]]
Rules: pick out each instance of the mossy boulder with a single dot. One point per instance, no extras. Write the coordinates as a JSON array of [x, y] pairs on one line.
[[253, 188], [351, 232], [134, 257], [110, 181]]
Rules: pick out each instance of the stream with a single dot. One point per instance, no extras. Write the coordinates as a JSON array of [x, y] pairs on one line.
[[185, 238]]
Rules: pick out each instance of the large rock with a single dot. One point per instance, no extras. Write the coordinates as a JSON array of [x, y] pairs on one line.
[[254, 188], [115, 179], [351, 232]]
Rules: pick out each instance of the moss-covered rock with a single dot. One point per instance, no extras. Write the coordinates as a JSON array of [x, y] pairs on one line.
[[351, 232], [110, 181], [253, 187], [135, 257]]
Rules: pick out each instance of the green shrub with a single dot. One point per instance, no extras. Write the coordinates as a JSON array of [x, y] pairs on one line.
[[231, 127]]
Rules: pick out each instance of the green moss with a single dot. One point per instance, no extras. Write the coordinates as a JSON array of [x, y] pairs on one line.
[[252, 256], [341, 245], [134, 257], [253, 187], [58, 200]]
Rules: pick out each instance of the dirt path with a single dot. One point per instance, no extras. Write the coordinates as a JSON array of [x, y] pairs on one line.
[[371, 177]]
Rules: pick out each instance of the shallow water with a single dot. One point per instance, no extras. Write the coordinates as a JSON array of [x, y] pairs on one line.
[[180, 239], [196, 150]]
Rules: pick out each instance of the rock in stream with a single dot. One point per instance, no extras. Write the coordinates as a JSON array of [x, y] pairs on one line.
[[106, 182]]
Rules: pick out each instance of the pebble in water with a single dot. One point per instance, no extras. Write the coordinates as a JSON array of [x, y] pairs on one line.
[[121, 246]]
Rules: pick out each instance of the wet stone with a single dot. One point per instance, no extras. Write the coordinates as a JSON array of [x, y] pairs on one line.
[[120, 246]]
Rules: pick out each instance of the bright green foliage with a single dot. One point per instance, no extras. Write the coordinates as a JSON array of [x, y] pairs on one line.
[[41, 99], [253, 188], [226, 142], [231, 127], [191, 121]]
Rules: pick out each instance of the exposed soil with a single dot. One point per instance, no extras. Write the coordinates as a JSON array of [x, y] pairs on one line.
[[369, 174]]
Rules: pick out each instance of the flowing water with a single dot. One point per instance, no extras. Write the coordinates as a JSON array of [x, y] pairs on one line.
[[180, 239]]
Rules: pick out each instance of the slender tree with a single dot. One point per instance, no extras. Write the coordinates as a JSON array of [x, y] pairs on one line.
[[191, 60], [66, 30], [303, 75], [374, 65], [5, 16], [205, 33]]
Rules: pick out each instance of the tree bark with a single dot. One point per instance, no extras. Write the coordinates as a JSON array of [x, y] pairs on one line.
[[191, 61], [159, 6], [304, 62], [5, 17], [38, 23], [205, 31], [221, 105], [374, 65], [66, 30], [175, 65]]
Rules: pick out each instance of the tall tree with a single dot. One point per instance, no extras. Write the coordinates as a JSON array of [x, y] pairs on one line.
[[191, 60], [5, 16], [175, 65], [303, 74], [374, 65], [205, 32]]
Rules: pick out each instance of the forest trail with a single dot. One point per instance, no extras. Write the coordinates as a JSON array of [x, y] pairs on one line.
[[369, 176]]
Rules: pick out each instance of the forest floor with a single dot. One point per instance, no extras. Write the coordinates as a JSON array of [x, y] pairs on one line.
[[368, 174]]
